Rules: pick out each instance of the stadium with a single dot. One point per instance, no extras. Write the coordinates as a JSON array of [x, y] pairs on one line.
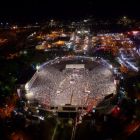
[[75, 80]]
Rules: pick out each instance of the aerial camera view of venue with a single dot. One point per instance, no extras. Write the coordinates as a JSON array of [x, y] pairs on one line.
[[70, 74]]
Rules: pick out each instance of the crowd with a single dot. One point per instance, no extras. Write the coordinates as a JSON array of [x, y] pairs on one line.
[[78, 87]]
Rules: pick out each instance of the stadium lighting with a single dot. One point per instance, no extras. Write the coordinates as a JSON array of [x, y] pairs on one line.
[[29, 95], [110, 66], [37, 67], [27, 86]]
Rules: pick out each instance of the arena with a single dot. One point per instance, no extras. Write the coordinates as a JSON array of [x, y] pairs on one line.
[[75, 80]]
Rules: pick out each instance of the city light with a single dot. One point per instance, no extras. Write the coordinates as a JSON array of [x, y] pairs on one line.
[[135, 32]]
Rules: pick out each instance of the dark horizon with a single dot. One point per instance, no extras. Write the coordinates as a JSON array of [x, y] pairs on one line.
[[70, 9]]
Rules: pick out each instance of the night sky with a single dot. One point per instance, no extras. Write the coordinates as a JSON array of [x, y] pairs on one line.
[[67, 9]]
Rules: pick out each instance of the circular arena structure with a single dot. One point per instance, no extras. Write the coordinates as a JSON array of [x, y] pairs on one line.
[[75, 80]]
